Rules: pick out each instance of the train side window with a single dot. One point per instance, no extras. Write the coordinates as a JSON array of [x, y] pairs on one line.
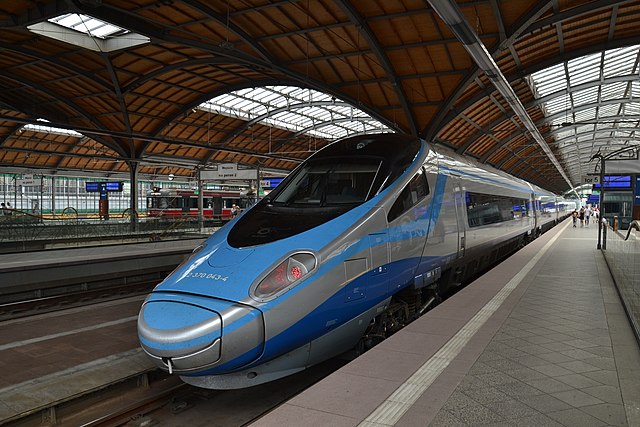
[[416, 190], [485, 209]]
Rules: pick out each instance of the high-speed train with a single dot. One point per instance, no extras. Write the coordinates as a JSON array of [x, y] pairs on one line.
[[356, 242]]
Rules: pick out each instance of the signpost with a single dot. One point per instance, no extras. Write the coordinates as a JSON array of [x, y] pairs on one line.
[[104, 188], [591, 179]]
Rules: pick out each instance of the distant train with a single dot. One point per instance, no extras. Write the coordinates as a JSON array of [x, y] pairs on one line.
[[361, 239], [179, 203]]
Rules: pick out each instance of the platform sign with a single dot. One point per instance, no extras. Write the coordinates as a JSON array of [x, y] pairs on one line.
[[28, 180], [270, 182], [591, 179], [111, 186], [224, 171], [636, 199]]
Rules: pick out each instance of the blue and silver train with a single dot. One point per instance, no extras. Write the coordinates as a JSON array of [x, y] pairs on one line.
[[359, 240]]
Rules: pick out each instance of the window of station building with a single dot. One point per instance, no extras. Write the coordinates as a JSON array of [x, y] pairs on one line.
[[485, 209], [416, 190]]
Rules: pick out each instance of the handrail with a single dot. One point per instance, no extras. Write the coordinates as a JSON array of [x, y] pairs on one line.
[[635, 225]]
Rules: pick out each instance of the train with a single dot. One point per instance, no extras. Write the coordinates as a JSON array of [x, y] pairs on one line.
[[360, 239], [181, 203]]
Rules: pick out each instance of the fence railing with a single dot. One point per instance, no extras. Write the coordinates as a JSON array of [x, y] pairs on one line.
[[623, 257], [23, 231]]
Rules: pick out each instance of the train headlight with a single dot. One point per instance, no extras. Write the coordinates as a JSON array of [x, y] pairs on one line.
[[288, 272]]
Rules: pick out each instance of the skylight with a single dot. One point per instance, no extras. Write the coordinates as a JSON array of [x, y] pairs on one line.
[[88, 25], [49, 129], [299, 110], [591, 104], [88, 32]]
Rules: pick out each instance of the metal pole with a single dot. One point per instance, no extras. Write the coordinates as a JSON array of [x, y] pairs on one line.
[[200, 201], [53, 196], [601, 210], [133, 195]]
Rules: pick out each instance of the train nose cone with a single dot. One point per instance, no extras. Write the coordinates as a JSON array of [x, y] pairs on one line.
[[228, 257], [178, 336]]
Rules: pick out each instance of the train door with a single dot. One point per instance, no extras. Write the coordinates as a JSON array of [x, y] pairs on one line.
[[185, 204], [408, 220], [460, 203], [217, 205], [536, 211]]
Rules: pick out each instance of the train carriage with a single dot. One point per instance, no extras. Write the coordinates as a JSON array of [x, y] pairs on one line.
[[359, 240], [183, 203]]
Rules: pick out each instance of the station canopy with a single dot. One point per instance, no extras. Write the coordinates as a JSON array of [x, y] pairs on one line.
[[538, 89], [592, 105]]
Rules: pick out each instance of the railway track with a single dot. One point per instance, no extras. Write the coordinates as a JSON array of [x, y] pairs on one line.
[[29, 307]]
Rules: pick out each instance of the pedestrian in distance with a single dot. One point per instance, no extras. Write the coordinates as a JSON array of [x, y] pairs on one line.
[[581, 216], [574, 215], [587, 216]]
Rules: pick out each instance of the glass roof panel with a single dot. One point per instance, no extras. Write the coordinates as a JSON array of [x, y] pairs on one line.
[[88, 25], [585, 128], [586, 96], [295, 109], [635, 89], [49, 129], [586, 114], [632, 108], [613, 90], [584, 69], [610, 110], [620, 62], [559, 103], [549, 80]]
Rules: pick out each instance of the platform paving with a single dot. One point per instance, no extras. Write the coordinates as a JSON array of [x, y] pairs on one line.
[[540, 340], [565, 356]]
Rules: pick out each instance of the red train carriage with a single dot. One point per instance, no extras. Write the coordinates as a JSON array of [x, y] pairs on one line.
[[180, 203]]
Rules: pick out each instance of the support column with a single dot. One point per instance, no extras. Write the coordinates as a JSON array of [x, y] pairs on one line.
[[133, 202], [53, 196], [601, 243], [200, 201]]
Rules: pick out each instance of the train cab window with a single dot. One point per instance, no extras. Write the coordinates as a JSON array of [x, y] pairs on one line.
[[485, 209], [416, 190], [330, 182]]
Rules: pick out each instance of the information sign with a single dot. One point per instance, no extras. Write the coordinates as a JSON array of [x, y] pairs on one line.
[[94, 187], [591, 179]]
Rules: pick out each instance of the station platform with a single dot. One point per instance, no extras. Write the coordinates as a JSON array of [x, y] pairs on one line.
[[540, 340], [38, 272]]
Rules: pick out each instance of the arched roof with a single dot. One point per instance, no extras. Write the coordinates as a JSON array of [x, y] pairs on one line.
[[134, 100]]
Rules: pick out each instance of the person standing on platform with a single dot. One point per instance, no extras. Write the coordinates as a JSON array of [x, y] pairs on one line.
[[574, 215], [581, 216], [587, 215]]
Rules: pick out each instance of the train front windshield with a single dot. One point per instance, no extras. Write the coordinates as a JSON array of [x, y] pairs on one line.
[[327, 182]]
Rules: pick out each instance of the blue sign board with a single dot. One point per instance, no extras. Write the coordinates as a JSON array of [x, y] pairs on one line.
[[273, 181], [94, 187], [636, 199], [615, 182]]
